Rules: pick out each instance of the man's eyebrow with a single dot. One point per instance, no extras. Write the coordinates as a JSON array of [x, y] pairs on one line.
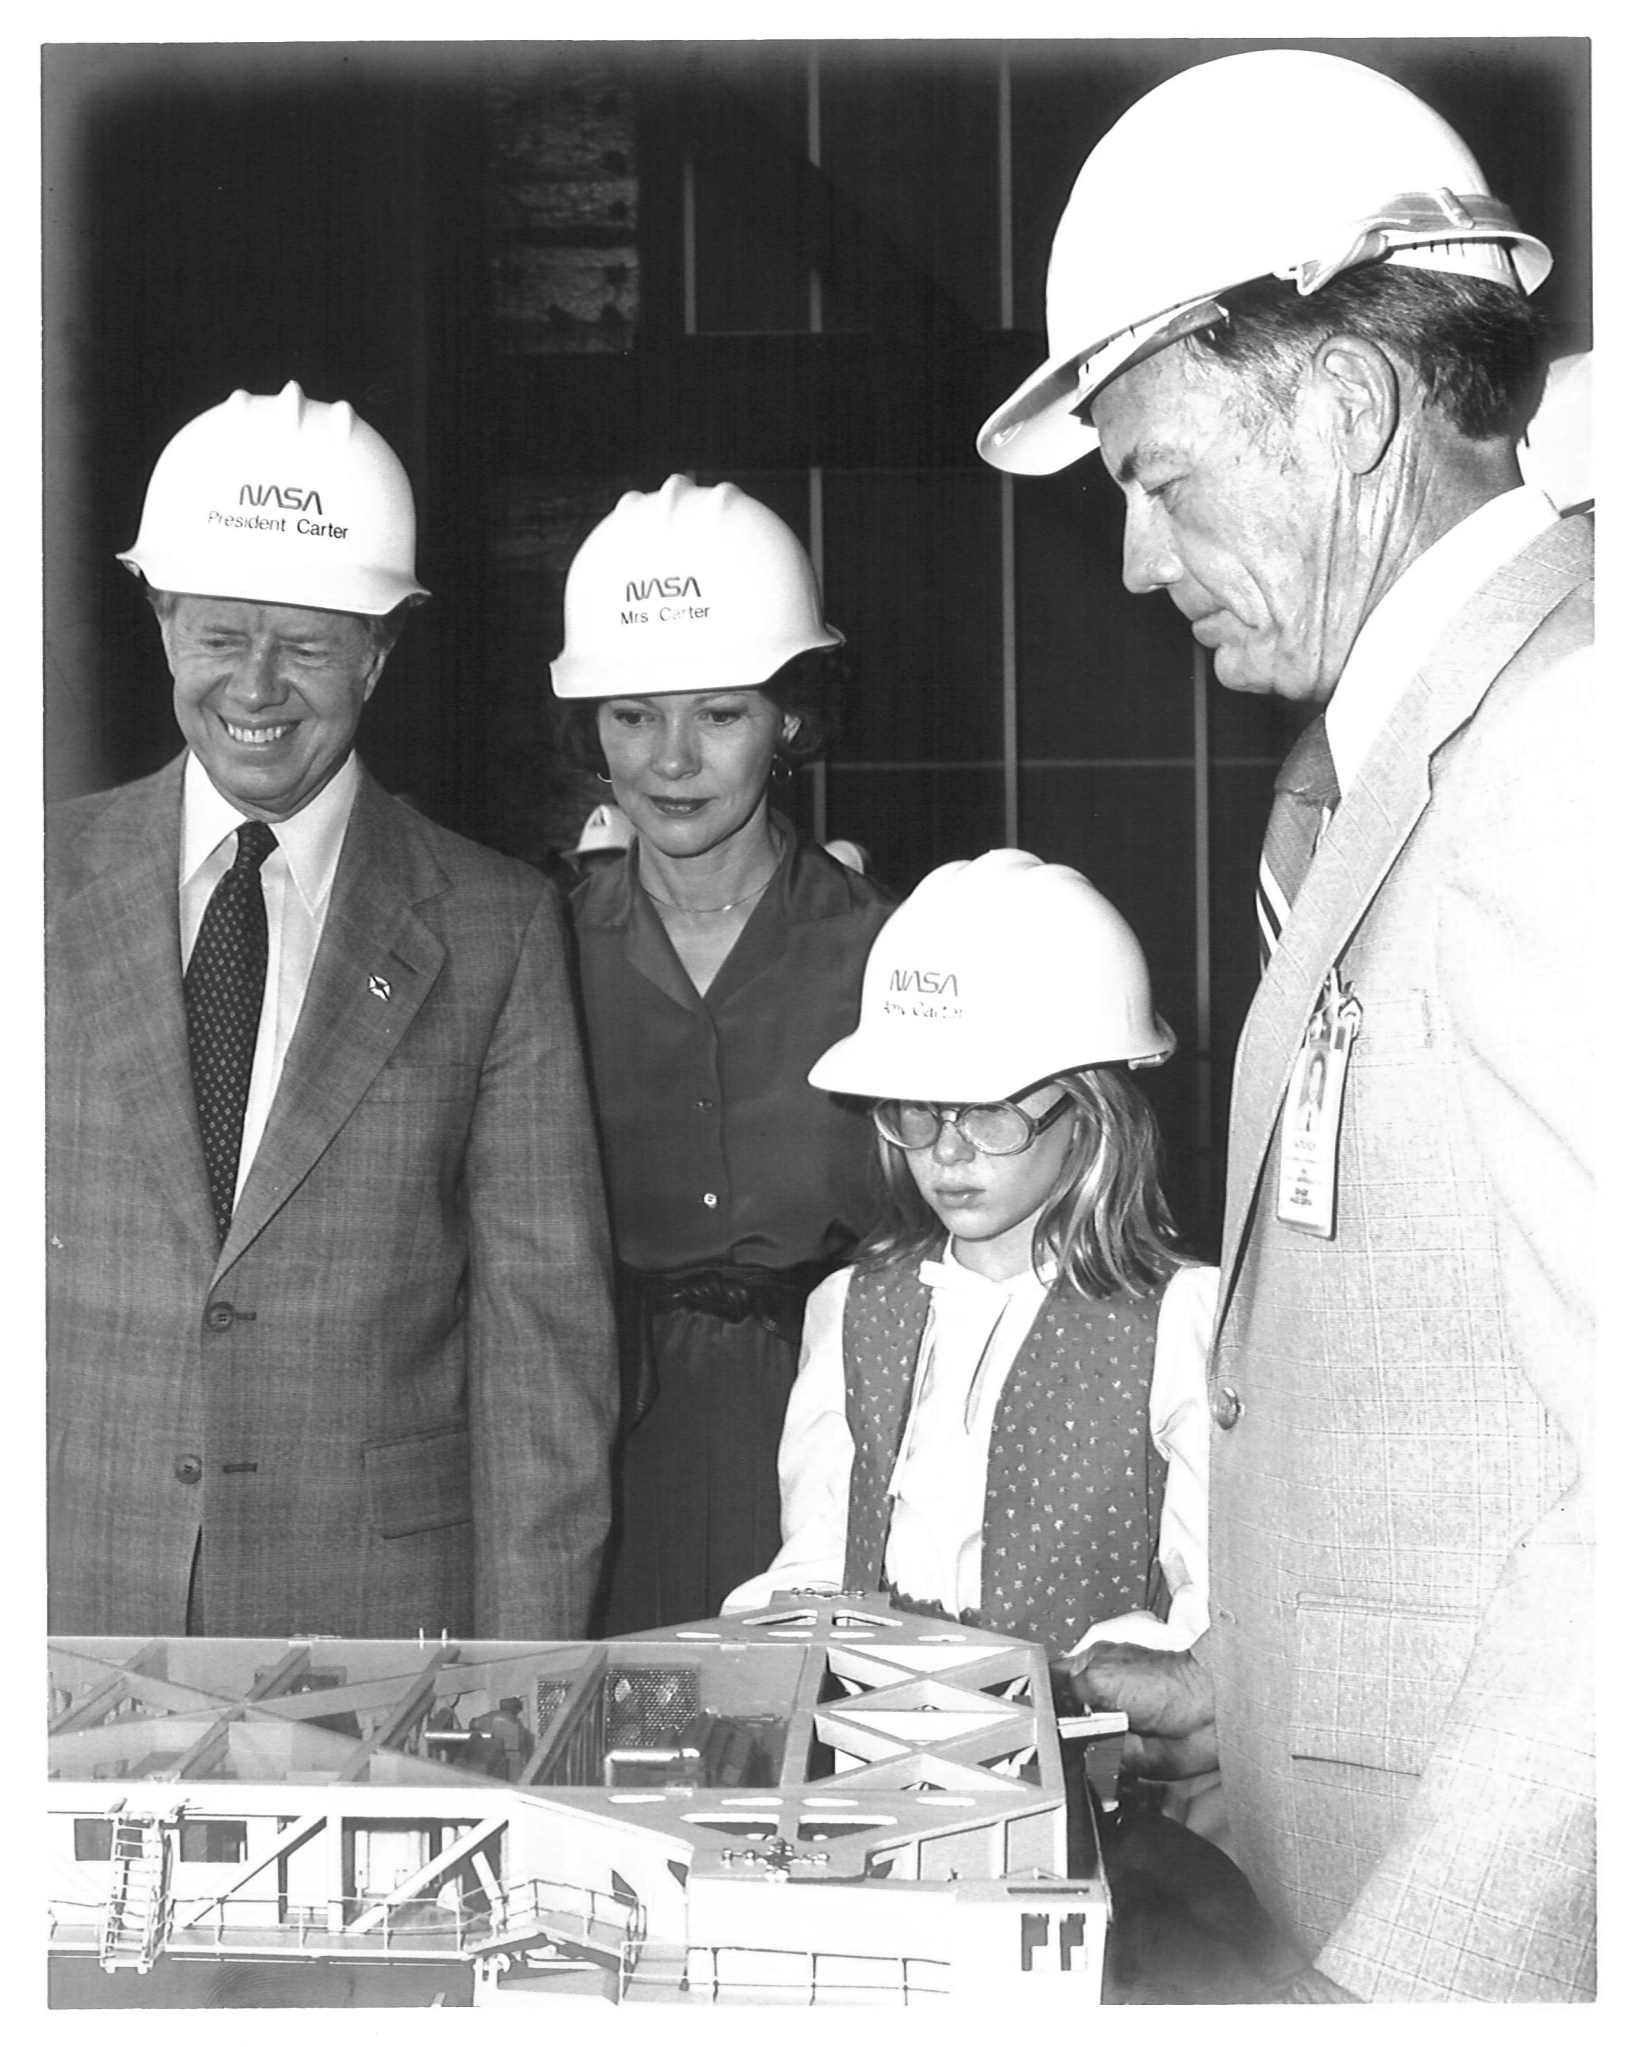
[[1139, 458]]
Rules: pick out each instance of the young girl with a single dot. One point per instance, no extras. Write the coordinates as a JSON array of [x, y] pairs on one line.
[[1000, 1410]]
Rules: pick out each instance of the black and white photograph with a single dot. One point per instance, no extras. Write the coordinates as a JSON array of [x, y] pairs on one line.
[[821, 984]]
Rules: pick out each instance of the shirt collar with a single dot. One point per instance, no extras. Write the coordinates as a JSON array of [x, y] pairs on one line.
[[807, 886], [948, 1270], [1413, 614], [309, 841]]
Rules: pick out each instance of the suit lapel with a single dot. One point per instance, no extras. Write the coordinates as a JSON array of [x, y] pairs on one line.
[[117, 940], [375, 965], [1364, 838]]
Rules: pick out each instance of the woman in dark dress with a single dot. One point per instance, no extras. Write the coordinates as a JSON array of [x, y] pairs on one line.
[[718, 961]]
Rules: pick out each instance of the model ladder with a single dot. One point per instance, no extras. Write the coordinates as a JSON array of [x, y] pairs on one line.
[[138, 1900]]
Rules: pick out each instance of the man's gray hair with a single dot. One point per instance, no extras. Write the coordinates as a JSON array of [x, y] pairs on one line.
[[1476, 348]]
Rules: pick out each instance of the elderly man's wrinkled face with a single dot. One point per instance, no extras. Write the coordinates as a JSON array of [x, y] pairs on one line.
[[268, 696], [1243, 519]]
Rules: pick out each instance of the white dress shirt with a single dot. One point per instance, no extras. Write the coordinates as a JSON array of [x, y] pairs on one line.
[[975, 1328], [296, 880], [1411, 617]]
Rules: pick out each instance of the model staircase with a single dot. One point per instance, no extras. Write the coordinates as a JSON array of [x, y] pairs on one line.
[[138, 1903]]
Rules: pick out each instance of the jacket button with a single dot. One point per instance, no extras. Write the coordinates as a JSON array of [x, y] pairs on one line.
[[1225, 1406], [709, 1201], [189, 1469], [704, 1102], [219, 1315]]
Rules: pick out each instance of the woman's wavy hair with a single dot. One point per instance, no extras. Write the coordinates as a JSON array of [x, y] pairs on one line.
[[809, 687], [1105, 1225]]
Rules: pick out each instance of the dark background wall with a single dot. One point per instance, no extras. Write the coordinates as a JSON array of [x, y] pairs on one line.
[[549, 273]]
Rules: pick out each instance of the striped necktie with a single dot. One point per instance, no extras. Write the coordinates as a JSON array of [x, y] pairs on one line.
[[225, 986], [1303, 796]]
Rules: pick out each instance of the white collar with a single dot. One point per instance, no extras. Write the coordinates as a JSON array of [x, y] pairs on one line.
[[1416, 610], [309, 841], [948, 1271]]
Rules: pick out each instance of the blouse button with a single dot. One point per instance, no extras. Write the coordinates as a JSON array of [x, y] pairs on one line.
[[709, 1200], [705, 1102]]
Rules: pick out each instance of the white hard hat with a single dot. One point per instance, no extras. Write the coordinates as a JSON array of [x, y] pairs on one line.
[[1558, 452], [283, 500], [691, 587], [1272, 163], [993, 974], [608, 830]]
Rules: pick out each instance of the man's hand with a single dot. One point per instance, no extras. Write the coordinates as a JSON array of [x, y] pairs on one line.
[[1164, 1694]]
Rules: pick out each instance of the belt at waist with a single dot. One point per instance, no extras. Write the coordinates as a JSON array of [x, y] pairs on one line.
[[772, 1295]]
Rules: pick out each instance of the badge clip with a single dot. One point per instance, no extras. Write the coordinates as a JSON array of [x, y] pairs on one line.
[[1308, 1152]]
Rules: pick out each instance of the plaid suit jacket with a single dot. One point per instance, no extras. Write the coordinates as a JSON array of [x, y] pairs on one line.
[[1401, 1576], [387, 1401]]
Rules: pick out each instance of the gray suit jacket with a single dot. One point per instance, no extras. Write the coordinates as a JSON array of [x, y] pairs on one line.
[[1401, 1576], [387, 1401]]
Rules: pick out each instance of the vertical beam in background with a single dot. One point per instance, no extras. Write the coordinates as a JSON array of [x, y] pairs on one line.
[[1203, 1068], [688, 230], [816, 284], [816, 475], [1009, 676], [1008, 513], [816, 554], [1003, 205]]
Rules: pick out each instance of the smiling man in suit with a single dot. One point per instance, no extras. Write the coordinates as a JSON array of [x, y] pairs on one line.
[[329, 1337], [1308, 355]]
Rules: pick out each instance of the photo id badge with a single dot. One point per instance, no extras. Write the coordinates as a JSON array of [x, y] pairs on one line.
[[1309, 1152]]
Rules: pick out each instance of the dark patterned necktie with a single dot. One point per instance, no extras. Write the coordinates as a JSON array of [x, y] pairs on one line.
[[1304, 794], [225, 986]]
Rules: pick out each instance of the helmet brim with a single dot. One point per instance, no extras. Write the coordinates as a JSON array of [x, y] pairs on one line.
[[368, 593], [875, 1066], [1040, 428], [578, 677]]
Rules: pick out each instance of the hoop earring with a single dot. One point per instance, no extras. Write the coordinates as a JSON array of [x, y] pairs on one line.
[[602, 778]]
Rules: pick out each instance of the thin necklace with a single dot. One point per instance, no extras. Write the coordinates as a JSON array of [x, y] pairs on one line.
[[717, 909]]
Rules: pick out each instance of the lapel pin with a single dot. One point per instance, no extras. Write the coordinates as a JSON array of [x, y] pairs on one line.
[[379, 986]]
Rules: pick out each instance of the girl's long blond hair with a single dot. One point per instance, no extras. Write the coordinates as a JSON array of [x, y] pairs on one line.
[[1104, 1225]]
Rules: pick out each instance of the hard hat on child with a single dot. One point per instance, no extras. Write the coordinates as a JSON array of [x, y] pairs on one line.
[[283, 500], [993, 974], [691, 587]]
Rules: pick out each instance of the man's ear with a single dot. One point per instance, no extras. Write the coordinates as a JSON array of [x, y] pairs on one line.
[[1358, 385]]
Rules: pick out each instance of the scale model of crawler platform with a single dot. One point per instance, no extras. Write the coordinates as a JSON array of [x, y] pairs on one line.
[[823, 1800]]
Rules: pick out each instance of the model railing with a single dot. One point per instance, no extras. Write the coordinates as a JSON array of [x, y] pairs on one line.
[[574, 1912], [613, 1927], [807, 1976]]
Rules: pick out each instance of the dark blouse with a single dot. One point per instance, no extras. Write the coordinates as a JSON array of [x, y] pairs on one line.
[[717, 1150]]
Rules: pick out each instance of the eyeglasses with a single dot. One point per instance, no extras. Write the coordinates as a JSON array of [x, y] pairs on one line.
[[997, 1128]]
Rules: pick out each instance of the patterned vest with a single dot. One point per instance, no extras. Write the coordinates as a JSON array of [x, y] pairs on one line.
[[1075, 1486]]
